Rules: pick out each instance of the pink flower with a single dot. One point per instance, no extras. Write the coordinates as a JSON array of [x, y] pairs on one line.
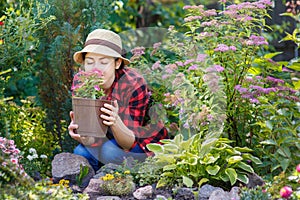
[[298, 168], [286, 192]]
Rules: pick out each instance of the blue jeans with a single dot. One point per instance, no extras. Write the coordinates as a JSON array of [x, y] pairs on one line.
[[109, 152]]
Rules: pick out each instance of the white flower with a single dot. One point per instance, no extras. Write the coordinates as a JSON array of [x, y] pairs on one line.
[[32, 151], [29, 157], [35, 156], [43, 156]]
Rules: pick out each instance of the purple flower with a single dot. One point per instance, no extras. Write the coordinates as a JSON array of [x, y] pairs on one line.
[[156, 45], [188, 61], [186, 125], [192, 18], [193, 67], [209, 13], [156, 65], [215, 68], [222, 48], [254, 100], [138, 51], [179, 63], [274, 80], [201, 57]]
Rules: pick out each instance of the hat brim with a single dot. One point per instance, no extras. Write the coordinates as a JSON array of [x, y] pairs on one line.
[[100, 49]]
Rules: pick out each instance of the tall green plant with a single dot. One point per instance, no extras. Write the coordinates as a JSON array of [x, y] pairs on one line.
[[59, 41], [18, 35]]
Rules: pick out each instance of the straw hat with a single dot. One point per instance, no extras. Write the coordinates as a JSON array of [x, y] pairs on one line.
[[104, 42]]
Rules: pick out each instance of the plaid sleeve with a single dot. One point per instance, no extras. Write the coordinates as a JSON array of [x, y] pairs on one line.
[[134, 120], [134, 100]]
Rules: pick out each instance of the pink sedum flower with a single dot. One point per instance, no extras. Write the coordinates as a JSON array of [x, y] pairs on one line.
[[286, 192]]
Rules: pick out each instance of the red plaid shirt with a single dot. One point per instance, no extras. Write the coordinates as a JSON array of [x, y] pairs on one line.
[[131, 92]]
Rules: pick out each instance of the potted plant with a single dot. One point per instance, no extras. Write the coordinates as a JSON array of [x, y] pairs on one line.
[[87, 99]]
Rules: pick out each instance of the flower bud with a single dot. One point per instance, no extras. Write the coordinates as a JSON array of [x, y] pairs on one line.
[[298, 168], [286, 192]]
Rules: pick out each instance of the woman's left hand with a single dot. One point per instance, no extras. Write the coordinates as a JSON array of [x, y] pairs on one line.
[[110, 115]]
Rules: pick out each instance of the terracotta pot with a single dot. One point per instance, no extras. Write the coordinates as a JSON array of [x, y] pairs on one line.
[[87, 116]]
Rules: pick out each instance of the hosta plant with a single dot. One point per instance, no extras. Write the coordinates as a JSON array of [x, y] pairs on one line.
[[198, 160]]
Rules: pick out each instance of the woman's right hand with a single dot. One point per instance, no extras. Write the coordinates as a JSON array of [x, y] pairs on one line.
[[72, 128]]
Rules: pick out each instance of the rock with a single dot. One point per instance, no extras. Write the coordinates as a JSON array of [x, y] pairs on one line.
[[109, 198], [93, 189], [106, 169], [254, 180], [234, 193], [67, 166], [218, 194], [160, 197], [205, 191], [185, 194], [143, 192]]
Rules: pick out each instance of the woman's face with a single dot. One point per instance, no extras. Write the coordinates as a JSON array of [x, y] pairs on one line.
[[106, 64]]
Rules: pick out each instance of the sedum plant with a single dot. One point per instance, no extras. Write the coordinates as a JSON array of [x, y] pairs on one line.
[[118, 184]]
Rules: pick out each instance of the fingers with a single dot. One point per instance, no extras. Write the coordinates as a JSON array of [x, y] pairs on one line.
[[72, 115], [110, 113]]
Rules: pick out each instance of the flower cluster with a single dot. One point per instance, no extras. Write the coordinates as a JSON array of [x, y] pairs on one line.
[[259, 86], [118, 183], [287, 192], [10, 168], [88, 84]]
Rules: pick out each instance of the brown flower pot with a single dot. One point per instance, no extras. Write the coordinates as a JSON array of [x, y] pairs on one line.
[[87, 116]]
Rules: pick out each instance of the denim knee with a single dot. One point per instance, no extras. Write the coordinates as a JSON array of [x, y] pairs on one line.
[[88, 154], [111, 153]]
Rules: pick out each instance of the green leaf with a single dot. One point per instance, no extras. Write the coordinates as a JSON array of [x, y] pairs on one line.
[[169, 167], [171, 148], [285, 152], [206, 146], [245, 167], [271, 55], [284, 163], [156, 148], [161, 183], [232, 151], [213, 170], [203, 180], [187, 181], [209, 158], [178, 139], [269, 142], [232, 175], [252, 158], [243, 178], [269, 124], [243, 149], [234, 159]]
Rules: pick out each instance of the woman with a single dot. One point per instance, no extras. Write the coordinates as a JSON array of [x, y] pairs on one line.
[[127, 137]]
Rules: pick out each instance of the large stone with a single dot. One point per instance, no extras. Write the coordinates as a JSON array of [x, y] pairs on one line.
[[205, 191], [254, 180], [67, 166], [94, 189], [143, 192]]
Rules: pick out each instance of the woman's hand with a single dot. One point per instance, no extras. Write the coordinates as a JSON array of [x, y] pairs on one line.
[[72, 128], [72, 132], [110, 115]]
